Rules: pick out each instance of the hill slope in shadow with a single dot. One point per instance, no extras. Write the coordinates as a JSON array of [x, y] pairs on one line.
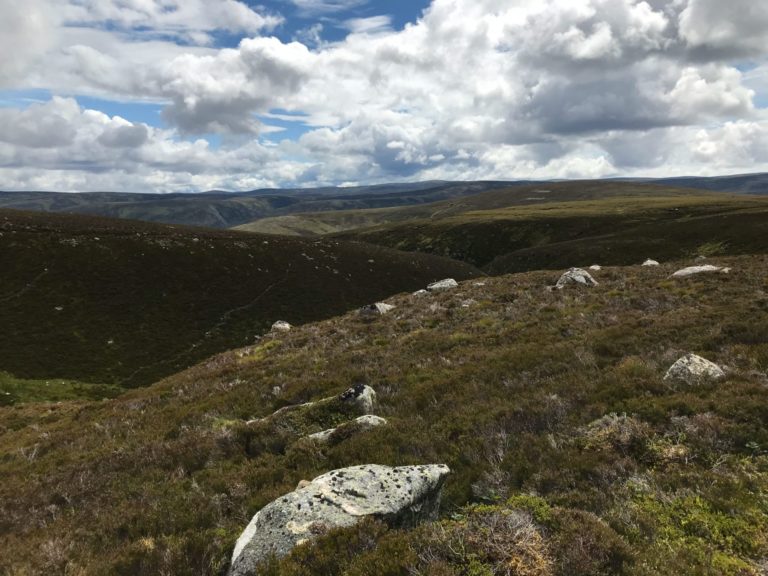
[[121, 302]]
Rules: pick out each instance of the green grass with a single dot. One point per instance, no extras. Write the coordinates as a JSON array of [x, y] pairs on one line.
[[570, 454], [16, 390]]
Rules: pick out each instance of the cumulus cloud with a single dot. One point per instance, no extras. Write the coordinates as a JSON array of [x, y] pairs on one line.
[[473, 89], [27, 30]]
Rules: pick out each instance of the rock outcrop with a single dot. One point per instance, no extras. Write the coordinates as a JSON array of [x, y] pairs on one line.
[[575, 276], [281, 326], [693, 270], [651, 262], [357, 425], [400, 496], [692, 369], [377, 309], [360, 399], [443, 285]]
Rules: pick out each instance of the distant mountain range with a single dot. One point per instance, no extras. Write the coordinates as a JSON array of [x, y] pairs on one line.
[[219, 209]]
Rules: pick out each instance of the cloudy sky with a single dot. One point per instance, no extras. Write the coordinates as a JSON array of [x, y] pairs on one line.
[[187, 95]]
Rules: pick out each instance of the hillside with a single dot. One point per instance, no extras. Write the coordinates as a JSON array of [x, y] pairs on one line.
[[118, 302], [633, 223], [522, 195], [570, 454], [228, 209]]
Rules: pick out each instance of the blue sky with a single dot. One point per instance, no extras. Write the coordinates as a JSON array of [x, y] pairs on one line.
[[189, 95]]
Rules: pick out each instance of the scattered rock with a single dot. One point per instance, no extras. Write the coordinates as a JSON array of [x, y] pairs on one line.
[[420, 293], [700, 258], [378, 309], [693, 369], [359, 399], [442, 285], [596, 267], [468, 303], [281, 326], [400, 496], [360, 395], [359, 424], [479, 284], [650, 262], [575, 276], [693, 270]]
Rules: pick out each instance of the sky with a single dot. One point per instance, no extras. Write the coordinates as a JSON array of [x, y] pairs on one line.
[[194, 95]]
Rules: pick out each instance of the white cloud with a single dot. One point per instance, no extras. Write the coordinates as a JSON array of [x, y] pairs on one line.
[[474, 89], [27, 30]]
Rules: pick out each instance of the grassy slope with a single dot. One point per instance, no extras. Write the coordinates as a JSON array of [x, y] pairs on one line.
[[119, 302], [160, 479], [316, 223], [612, 230]]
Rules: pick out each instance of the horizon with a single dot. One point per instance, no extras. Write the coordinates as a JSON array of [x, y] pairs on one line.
[[196, 96]]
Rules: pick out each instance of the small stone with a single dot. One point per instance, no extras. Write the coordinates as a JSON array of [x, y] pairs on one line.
[[693, 270], [377, 309], [576, 276], [420, 293], [596, 267], [650, 262], [693, 369], [281, 326], [363, 423], [442, 285]]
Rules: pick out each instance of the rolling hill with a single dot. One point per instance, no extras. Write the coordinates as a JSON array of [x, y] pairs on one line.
[[218, 209], [570, 453], [577, 224], [121, 302]]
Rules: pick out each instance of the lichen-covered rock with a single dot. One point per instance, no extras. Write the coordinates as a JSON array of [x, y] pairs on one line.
[[358, 424], [693, 270], [400, 496], [651, 262], [575, 276], [442, 285], [281, 326], [377, 309], [693, 369]]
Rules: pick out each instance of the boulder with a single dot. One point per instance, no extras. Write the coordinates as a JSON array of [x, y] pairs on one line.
[[378, 309], [358, 424], [360, 399], [361, 396], [575, 276], [281, 326], [442, 285], [650, 262], [693, 369], [693, 270], [400, 496]]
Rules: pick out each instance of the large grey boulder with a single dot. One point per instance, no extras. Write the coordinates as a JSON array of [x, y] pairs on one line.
[[693, 270], [400, 496], [443, 285], [377, 309], [358, 424], [693, 369], [576, 276]]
